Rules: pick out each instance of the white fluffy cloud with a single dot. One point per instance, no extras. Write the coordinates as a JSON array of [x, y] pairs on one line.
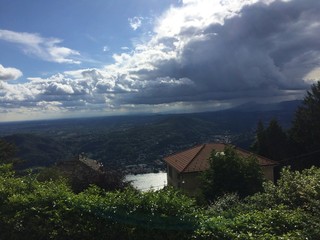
[[47, 49], [9, 73]]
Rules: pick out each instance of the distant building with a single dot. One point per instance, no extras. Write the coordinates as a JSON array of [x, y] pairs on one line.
[[82, 163], [82, 171], [185, 167]]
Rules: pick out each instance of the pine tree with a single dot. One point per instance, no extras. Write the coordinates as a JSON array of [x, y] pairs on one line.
[[305, 131], [271, 142]]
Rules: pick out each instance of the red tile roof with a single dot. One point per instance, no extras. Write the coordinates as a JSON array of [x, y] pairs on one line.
[[196, 159]]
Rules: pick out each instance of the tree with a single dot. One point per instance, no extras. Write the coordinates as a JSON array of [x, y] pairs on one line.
[[229, 172], [81, 179], [305, 131], [259, 145], [7, 151], [271, 142]]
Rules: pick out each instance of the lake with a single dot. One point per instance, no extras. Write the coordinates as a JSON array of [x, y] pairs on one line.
[[147, 181]]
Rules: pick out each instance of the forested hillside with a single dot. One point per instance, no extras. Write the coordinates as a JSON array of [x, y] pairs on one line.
[[124, 140]]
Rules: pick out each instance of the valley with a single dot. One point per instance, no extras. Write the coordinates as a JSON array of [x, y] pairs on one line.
[[138, 141]]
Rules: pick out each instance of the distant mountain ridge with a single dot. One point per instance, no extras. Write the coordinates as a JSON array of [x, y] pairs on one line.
[[254, 106]]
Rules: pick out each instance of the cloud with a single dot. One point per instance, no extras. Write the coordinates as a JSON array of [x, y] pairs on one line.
[[227, 50], [9, 73], [135, 22], [47, 49], [258, 49], [201, 53], [105, 49]]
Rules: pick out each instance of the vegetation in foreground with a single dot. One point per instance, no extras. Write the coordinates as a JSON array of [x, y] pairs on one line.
[[30, 209]]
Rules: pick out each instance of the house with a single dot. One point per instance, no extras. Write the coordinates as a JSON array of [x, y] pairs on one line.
[[81, 171], [82, 164], [185, 167]]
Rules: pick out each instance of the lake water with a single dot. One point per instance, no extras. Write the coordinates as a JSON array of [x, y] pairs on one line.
[[147, 181]]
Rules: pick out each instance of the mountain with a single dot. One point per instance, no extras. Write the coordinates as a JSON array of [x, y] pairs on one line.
[[263, 107]]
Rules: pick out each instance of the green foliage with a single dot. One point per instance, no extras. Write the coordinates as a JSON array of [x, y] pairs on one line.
[[306, 125], [36, 150], [6, 170], [7, 151], [277, 223], [302, 139], [231, 173], [271, 142], [288, 210], [80, 178], [30, 209], [294, 189], [305, 131], [223, 204], [49, 174]]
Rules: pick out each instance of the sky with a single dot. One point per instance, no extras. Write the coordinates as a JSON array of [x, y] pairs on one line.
[[82, 58]]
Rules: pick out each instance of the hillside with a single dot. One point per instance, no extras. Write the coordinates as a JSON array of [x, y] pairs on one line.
[[37, 150], [124, 140]]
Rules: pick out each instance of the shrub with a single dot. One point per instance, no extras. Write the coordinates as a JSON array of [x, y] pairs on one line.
[[288, 210], [50, 210]]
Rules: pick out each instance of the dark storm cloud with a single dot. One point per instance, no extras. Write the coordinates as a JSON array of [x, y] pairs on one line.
[[252, 51], [264, 51]]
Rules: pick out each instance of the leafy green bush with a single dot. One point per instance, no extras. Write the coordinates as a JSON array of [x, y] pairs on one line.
[[294, 189], [50, 210], [30, 209], [277, 223], [288, 210], [224, 204]]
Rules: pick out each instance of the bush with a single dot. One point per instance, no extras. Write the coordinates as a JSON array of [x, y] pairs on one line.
[[50, 210], [288, 210], [277, 223], [294, 189], [30, 209]]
